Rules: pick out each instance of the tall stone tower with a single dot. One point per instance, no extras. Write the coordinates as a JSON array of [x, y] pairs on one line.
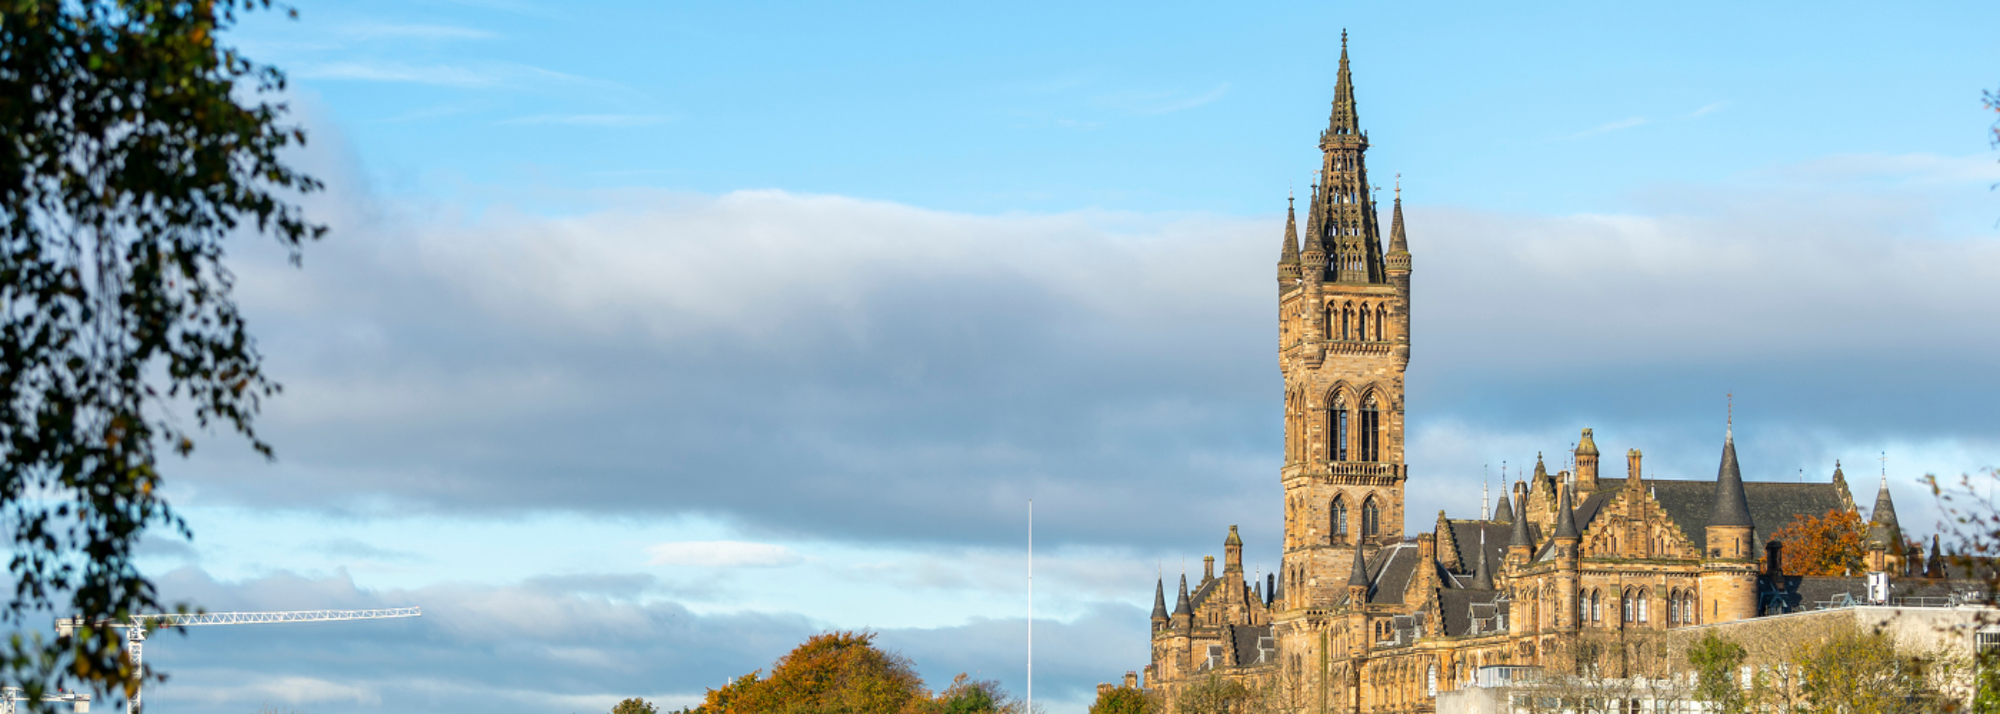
[[1343, 344]]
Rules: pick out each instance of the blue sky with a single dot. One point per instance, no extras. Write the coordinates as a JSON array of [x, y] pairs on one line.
[[652, 338]]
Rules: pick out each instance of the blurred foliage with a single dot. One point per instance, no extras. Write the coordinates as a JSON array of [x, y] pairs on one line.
[[1831, 544], [1122, 700], [1716, 662], [635, 705], [132, 143]]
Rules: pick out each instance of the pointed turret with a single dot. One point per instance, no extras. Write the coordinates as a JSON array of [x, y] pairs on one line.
[[1159, 602], [1566, 518], [1288, 254], [1520, 538], [1482, 579], [1732, 507], [1883, 530], [1359, 576], [1181, 606], [1398, 258], [1503, 513], [1934, 568]]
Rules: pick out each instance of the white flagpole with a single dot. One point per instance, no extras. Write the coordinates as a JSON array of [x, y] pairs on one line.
[[1031, 606]]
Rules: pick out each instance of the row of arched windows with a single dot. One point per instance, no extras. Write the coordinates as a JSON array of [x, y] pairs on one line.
[[1371, 518], [1353, 323], [1351, 434]]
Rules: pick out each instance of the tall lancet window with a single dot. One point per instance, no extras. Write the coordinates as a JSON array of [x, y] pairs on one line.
[[1340, 429], [1371, 518], [1380, 314], [1363, 332], [1370, 432], [1345, 315], [1339, 519]]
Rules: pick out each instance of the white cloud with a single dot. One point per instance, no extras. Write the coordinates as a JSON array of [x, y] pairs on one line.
[[720, 554]]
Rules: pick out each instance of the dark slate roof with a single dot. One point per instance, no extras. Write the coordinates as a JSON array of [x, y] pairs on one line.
[[1201, 593], [1181, 601], [1456, 609], [1246, 637], [1358, 575], [1732, 507], [1882, 527], [1390, 570], [1465, 537], [1594, 503], [1159, 600], [1772, 504]]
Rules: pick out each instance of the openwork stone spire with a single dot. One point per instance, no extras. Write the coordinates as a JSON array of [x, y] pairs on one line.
[[1343, 218]]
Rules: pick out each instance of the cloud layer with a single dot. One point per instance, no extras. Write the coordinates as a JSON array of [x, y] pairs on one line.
[[820, 366]]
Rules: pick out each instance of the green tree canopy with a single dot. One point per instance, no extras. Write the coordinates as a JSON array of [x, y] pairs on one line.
[[635, 705], [132, 143], [1121, 700]]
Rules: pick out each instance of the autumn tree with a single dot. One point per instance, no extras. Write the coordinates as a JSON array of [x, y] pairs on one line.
[[1122, 700], [1831, 544], [1213, 694], [133, 142], [635, 705], [832, 673]]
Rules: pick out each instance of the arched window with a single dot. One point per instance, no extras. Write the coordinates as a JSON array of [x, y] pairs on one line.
[[1363, 332], [1371, 519], [1631, 613], [1380, 315], [1431, 681], [1641, 597], [1345, 317], [1369, 432], [1339, 519], [1340, 429]]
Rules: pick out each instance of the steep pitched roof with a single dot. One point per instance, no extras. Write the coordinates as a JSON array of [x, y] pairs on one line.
[[1181, 606], [1502, 512], [1566, 517], [1159, 599], [1882, 527], [1465, 540], [1390, 571], [1771, 504]]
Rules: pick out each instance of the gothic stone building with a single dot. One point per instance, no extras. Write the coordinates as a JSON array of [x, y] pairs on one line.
[[1362, 618]]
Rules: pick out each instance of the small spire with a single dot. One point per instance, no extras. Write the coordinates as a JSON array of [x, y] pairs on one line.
[[1289, 253], [1882, 526], [1399, 244], [1344, 120], [1181, 606], [1360, 574], [1935, 566], [1520, 536], [1482, 579], [1502, 512], [1732, 506], [1160, 599], [1566, 517]]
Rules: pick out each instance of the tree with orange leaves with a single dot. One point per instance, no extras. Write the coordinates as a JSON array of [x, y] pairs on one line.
[[832, 672], [1828, 545]]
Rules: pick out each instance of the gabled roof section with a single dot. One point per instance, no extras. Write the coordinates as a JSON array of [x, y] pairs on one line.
[[1773, 504], [1391, 570], [1465, 538]]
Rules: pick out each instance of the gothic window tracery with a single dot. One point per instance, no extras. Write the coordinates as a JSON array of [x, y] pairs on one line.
[[1371, 518], [1339, 519]]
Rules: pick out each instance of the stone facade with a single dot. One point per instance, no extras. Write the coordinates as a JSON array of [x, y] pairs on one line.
[[1570, 569]]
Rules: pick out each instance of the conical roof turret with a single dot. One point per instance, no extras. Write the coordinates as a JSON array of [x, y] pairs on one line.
[[1882, 526], [1482, 579], [1732, 507], [1181, 606], [1288, 254], [1160, 599], [1503, 513], [1520, 535], [1360, 574], [1566, 517], [1934, 568]]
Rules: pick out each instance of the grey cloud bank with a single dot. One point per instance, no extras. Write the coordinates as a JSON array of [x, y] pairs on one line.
[[827, 367]]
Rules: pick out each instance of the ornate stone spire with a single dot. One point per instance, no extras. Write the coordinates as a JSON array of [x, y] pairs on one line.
[[1399, 244], [1344, 121], [1732, 507], [1160, 599]]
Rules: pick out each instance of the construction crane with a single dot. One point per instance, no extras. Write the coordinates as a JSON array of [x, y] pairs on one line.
[[135, 630], [9, 696]]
